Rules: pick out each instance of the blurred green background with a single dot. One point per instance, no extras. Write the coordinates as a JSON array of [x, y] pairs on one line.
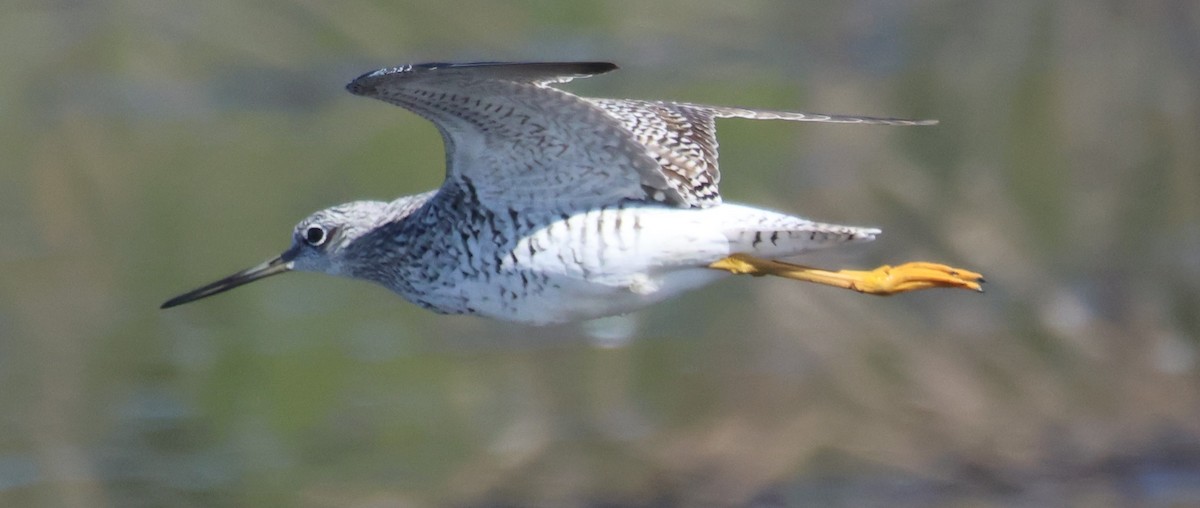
[[152, 146]]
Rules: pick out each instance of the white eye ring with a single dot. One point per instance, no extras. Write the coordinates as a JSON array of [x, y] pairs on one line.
[[315, 235]]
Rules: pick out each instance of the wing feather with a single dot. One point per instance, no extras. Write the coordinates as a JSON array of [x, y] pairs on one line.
[[515, 142], [682, 138]]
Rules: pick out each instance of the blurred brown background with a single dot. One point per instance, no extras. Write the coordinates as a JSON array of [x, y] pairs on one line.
[[150, 146]]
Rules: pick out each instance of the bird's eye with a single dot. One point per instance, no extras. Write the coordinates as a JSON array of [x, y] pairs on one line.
[[315, 235]]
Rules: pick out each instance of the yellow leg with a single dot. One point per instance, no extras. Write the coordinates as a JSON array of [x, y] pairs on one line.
[[885, 280]]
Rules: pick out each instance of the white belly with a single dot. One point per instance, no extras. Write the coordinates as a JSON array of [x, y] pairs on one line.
[[592, 265], [601, 263]]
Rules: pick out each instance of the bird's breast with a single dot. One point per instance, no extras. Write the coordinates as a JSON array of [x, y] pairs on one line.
[[552, 267]]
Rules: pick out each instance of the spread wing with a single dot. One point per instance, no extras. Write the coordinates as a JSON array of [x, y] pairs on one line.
[[682, 138], [514, 142]]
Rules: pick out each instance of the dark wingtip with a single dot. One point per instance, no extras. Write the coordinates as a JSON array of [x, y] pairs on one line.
[[600, 67], [585, 68], [365, 84]]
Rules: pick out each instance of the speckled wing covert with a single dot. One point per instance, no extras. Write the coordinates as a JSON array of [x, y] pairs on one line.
[[518, 143], [682, 138]]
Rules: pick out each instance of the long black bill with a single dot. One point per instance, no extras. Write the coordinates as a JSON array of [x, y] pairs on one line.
[[275, 266]]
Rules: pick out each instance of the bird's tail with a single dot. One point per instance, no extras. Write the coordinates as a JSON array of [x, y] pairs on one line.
[[761, 237], [791, 236]]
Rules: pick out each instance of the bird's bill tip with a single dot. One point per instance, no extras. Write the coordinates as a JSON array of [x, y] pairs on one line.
[[272, 267]]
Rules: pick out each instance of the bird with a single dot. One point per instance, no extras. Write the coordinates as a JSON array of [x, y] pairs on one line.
[[558, 208]]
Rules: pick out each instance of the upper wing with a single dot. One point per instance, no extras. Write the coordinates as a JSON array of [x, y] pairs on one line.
[[682, 138], [514, 142]]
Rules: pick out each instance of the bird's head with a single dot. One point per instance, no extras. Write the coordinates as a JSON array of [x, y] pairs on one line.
[[319, 244], [320, 241]]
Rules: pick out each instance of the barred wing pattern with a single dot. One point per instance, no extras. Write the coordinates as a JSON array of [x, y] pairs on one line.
[[682, 138], [517, 143]]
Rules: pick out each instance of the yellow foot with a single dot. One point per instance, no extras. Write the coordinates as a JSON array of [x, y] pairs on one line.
[[885, 280]]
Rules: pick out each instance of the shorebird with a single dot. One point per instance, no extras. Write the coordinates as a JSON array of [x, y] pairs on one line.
[[559, 208]]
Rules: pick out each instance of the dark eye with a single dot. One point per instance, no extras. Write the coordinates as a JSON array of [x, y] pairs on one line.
[[315, 235]]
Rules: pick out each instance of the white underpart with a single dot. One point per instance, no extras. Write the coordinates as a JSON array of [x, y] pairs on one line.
[[595, 268]]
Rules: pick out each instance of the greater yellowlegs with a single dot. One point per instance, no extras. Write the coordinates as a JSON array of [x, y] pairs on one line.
[[558, 208]]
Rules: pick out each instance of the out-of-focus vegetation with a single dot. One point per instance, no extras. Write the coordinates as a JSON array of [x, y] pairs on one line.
[[153, 146]]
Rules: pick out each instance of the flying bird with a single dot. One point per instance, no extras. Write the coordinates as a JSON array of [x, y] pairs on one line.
[[559, 208]]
